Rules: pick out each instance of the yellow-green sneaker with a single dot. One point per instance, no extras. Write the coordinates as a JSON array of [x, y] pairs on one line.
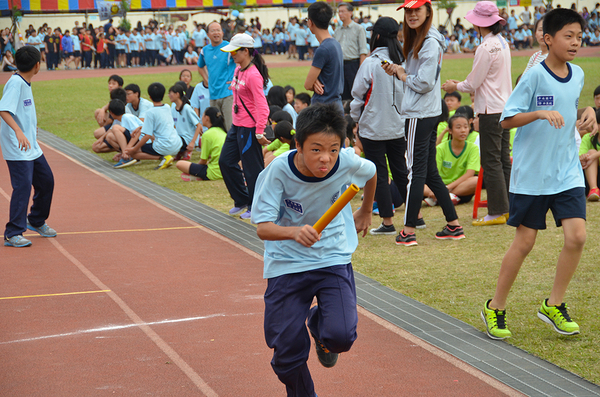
[[495, 322], [558, 317]]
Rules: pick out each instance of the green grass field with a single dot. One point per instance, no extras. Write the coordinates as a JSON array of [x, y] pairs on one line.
[[454, 277]]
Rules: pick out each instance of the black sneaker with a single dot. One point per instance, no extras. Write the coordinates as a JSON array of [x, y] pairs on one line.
[[326, 358], [383, 229], [451, 233], [421, 223], [407, 240]]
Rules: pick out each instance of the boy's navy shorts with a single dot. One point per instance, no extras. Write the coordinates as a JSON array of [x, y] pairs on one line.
[[127, 135], [76, 54], [530, 211], [199, 170], [120, 52], [148, 149]]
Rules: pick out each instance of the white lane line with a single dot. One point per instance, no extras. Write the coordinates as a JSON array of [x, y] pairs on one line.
[[124, 326]]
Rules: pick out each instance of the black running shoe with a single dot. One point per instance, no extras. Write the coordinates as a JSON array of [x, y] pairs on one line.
[[326, 358], [451, 233], [383, 229], [407, 240], [421, 223]]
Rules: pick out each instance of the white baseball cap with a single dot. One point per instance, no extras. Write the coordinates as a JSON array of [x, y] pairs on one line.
[[238, 41]]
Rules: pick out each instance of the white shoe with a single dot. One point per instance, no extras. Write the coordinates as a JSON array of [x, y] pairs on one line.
[[430, 202]]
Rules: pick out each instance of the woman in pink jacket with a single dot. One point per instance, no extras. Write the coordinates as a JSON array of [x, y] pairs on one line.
[[490, 80], [249, 113]]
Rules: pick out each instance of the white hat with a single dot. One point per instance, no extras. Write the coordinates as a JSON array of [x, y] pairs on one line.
[[238, 41]]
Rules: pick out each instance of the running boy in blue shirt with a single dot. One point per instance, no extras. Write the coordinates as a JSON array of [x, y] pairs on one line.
[[291, 194], [26, 163], [546, 170]]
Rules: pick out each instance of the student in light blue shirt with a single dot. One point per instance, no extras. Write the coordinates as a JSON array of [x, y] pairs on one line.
[[25, 160], [136, 105], [158, 128], [199, 36], [187, 122], [291, 194], [301, 46], [200, 99]]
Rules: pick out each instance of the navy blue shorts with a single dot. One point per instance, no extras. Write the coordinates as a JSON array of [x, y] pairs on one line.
[[127, 135], [199, 170], [148, 149], [530, 211], [119, 52]]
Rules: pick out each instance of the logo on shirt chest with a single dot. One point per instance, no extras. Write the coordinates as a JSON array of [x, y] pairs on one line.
[[175, 119], [294, 206], [334, 197], [545, 100], [447, 164], [27, 102]]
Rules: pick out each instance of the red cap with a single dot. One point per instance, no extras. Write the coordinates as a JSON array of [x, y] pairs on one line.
[[413, 4]]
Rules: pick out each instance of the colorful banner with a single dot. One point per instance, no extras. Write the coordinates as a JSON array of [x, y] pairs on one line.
[[107, 6]]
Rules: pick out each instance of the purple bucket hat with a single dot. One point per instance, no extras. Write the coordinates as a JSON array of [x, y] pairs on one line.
[[484, 14]]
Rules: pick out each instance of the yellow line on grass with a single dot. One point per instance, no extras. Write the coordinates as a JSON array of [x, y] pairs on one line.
[[124, 231], [61, 294]]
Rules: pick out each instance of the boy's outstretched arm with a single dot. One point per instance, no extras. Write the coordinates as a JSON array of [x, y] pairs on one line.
[[362, 216], [305, 235], [521, 119], [24, 143]]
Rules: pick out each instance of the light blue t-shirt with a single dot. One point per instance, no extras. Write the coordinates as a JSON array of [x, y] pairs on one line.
[[185, 122], [301, 36], [220, 68], [132, 43], [292, 112], [149, 41], [165, 52], [17, 99], [140, 40], [199, 38], [200, 100], [119, 42], [286, 197], [158, 122], [76, 43], [143, 107], [158, 39], [545, 159], [130, 122]]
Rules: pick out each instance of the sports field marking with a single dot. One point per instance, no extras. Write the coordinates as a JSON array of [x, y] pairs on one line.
[[154, 337], [124, 326], [59, 294], [158, 229], [154, 203]]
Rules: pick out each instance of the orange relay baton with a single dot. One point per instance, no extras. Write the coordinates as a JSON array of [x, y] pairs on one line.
[[336, 208]]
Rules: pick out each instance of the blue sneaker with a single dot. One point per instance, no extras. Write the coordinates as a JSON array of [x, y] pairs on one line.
[[125, 163], [44, 230], [17, 241], [238, 210], [246, 215]]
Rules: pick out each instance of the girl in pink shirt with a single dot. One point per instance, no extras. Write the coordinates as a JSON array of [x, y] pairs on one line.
[[490, 80], [250, 113]]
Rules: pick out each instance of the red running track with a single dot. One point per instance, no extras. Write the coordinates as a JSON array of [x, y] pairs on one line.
[[133, 299]]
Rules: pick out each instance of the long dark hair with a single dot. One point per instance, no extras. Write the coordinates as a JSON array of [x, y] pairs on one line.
[[284, 129], [276, 96], [413, 39], [178, 89], [216, 117], [392, 44]]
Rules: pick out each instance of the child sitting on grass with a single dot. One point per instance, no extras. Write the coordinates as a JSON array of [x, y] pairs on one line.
[[457, 162], [158, 128], [284, 133], [212, 142], [589, 152], [101, 145], [124, 134], [187, 122]]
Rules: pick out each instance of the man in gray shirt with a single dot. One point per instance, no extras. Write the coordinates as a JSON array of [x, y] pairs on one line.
[[353, 40]]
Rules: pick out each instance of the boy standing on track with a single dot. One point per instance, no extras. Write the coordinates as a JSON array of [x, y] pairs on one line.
[[546, 170], [292, 193], [26, 162]]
